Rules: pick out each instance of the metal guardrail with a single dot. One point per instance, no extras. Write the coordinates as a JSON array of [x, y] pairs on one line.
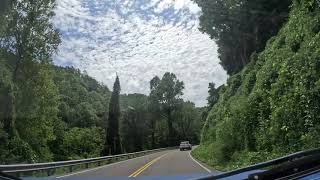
[[260, 166], [18, 169]]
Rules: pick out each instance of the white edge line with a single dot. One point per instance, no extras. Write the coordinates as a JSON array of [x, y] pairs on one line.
[[205, 168], [79, 172]]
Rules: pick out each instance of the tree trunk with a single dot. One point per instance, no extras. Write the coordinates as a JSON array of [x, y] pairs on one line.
[[170, 129], [153, 145], [9, 116], [153, 129], [117, 148]]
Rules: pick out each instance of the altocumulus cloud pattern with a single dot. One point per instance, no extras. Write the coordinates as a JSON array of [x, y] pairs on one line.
[[138, 39]]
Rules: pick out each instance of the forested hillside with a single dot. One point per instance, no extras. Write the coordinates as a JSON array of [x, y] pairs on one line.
[[78, 130], [50, 113], [272, 107]]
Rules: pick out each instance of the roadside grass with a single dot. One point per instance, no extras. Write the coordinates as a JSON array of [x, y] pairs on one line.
[[207, 154]]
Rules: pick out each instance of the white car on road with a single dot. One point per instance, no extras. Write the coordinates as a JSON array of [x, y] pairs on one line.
[[185, 145]]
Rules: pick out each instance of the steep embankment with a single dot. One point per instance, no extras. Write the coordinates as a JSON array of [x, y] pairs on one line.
[[272, 107]]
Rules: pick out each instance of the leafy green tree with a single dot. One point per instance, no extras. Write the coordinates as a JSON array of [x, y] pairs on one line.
[[3, 144], [154, 108], [133, 130], [241, 27], [161, 133], [7, 111], [29, 33], [168, 92], [27, 42], [188, 122], [113, 137], [37, 111], [59, 129], [134, 124]]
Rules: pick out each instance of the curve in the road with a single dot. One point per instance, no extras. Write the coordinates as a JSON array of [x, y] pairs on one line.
[[165, 163], [118, 169]]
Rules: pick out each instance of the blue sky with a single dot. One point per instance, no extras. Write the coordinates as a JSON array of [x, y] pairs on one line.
[[138, 39]]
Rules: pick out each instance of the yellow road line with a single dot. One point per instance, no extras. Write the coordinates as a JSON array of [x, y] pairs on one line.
[[140, 170], [137, 172]]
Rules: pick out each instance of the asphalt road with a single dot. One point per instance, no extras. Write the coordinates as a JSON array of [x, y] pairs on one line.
[[165, 163]]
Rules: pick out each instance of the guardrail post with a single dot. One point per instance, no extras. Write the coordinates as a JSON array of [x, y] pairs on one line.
[[87, 165], [70, 168], [41, 172], [99, 163], [51, 172]]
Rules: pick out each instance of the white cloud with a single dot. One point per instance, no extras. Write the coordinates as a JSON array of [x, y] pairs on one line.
[[138, 39]]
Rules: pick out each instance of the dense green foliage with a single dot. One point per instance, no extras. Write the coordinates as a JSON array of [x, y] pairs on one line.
[[82, 143], [150, 114], [29, 103], [271, 107], [50, 113], [136, 118], [241, 27], [79, 128], [83, 101], [213, 95], [166, 94], [82, 105]]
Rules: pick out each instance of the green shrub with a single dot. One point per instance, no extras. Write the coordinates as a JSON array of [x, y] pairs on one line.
[[81, 143]]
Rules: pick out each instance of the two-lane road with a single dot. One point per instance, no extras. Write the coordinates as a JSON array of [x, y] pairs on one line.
[[165, 163]]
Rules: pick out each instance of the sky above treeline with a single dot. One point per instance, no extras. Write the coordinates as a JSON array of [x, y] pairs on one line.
[[138, 39]]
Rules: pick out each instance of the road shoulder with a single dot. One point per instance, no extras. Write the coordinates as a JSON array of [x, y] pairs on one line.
[[206, 167]]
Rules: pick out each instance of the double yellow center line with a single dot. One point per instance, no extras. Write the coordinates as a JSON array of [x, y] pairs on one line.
[[140, 170]]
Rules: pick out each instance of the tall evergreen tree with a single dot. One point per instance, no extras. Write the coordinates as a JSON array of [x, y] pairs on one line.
[[113, 137]]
